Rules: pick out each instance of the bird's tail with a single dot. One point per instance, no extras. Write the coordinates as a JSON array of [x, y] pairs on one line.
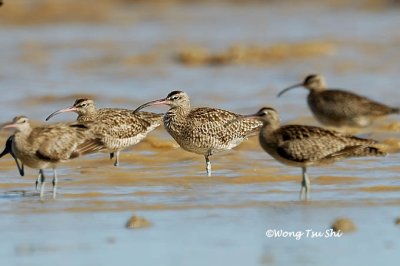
[[374, 151], [368, 151], [87, 147]]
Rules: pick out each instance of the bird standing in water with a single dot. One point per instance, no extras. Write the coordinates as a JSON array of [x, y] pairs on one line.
[[46, 146], [338, 108], [203, 130], [304, 146], [119, 128]]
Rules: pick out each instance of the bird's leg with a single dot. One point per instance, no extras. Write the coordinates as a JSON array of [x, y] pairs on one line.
[[55, 181], [21, 170], [38, 179], [20, 167], [111, 155], [42, 179], [208, 163], [305, 185], [116, 163]]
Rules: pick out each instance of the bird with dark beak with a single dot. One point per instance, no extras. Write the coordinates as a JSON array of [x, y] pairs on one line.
[[118, 128], [304, 146], [203, 130]]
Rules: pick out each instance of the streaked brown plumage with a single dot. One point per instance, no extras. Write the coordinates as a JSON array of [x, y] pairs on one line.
[[46, 146], [8, 150], [119, 128], [303, 146], [339, 108], [203, 130]]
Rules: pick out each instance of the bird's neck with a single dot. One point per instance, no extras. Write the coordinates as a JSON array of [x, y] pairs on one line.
[[89, 115], [21, 139], [24, 132], [176, 117], [179, 112], [270, 127], [317, 89]]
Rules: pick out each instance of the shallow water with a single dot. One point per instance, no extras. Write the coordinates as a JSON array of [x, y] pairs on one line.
[[198, 220]]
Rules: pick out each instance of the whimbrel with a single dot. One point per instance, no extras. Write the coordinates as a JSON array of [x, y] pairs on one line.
[[119, 128], [333, 107], [46, 146], [8, 150], [304, 146], [203, 130]]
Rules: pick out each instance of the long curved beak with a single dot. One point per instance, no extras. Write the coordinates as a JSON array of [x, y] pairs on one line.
[[156, 102], [69, 109], [289, 88]]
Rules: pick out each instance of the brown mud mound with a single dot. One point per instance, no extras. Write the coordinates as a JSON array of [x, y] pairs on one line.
[[136, 222], [344, 225]]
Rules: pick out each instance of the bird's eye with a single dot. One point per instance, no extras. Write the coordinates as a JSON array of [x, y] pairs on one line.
[[174, 97]]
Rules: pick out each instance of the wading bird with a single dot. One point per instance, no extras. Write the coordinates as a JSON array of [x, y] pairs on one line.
[[304, 146], [46, 146], [118, 128], [333, 107], [203, 130]]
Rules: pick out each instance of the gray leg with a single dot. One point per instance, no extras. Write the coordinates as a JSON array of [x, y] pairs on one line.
[[305, 185], [39, 179], [55, 181], [42, 182], [208, 164], [116, 163]]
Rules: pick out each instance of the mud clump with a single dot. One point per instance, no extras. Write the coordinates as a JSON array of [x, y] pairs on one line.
[[344, 225], [136, 222]]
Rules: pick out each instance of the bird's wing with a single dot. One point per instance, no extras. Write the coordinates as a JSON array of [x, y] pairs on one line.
[[121, 123], [153, 118], [355, 105], [210, 117], [308, 144], [63, 141], [212, 121], [88, 146]]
